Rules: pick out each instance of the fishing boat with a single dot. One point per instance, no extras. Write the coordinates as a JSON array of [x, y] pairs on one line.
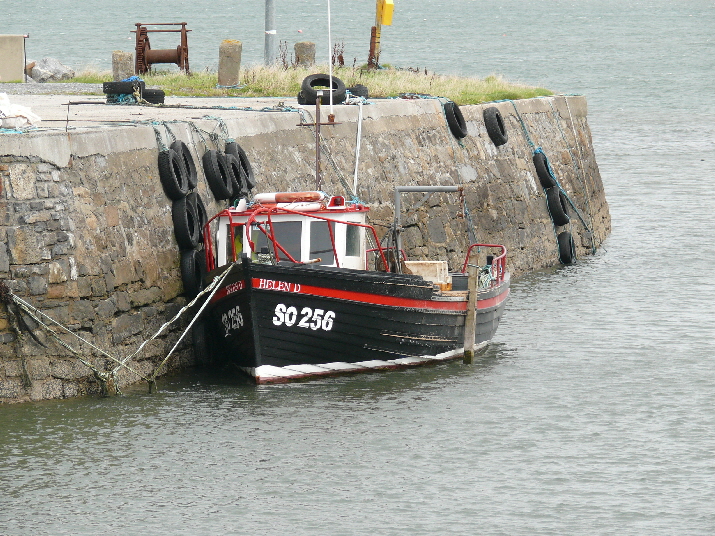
[[304, 288]]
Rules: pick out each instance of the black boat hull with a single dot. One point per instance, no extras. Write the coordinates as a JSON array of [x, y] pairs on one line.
[[280, 323]]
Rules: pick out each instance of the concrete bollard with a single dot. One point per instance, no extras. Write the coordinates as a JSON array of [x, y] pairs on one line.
[[229, 62], [122, 65], [305, 53]]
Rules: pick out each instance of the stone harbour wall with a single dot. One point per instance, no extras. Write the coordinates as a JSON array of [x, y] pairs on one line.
[[86, 232]]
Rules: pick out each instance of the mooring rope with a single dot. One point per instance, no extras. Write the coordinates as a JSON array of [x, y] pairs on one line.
[[6, 295], [211, 288], [216, 283]]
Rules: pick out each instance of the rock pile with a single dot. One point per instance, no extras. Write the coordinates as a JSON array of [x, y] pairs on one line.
[[48, 70]]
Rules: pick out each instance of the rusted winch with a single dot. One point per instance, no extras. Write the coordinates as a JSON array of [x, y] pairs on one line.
[[146, 57]]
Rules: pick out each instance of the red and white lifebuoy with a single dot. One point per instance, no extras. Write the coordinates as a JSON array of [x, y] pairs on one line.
[[290, 197]]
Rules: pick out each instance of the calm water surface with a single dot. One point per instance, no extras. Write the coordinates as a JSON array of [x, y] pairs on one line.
[[593, 412]]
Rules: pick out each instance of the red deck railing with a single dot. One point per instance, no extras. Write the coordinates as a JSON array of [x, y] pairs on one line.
[[498, 266]]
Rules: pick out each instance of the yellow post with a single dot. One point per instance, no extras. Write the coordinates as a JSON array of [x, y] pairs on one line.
[[383, 15]]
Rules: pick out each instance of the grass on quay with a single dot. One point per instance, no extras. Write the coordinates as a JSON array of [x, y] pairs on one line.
[[262, 81]]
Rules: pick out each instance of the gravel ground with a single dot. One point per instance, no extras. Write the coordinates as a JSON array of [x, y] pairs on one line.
[[51, 89]]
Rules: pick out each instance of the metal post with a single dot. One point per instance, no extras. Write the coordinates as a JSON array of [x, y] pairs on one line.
[[318, 179], [269, 50]]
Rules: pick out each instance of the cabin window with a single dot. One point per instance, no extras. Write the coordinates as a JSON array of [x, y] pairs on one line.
[[287, 234], [352, 241], [321, 247]]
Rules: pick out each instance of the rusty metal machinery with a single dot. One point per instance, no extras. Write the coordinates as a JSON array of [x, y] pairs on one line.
[[146, 57]]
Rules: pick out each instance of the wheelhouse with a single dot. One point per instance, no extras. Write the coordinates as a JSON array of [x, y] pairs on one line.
[[314, 229]]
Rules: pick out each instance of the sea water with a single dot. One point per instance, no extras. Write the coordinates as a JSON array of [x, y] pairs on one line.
[[592, 412]]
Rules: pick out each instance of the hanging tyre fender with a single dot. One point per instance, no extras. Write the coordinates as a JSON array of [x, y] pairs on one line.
[[312, 83], [236, 150], [567, 249], [455, 120], [183, 151], [558, 206], [495, 126], [217, 174], [173, 174], [238, 180], [202, 216], [541, 164], [192, 271], [186, 224]]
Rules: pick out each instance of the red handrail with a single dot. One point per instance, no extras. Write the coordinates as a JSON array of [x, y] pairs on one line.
[[498, 267]]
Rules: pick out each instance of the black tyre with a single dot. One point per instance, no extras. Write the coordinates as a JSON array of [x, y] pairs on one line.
[[567, 249], [455, 120], [315, 82], [192, 272], [359, 91], [186, 224], [238, 180], [248, 176], [542, 170], [217, 174], [558, 206], [153, 96], [495, 126], [173, 174], [195, 199], [301, 98], [122, 88], [182, 149]]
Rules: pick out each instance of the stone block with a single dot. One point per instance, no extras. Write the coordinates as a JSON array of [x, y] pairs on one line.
[[111, 213], [56, 292], [125, 326], [145, 296], [122, 65], [22, 181], [11, 389], [304, 53], [25, 245], [4, 258], [68, 369], [81, 312], [229, 62], [37, 285], [124, 272], [107, 308], [123, 303], [38, 368]]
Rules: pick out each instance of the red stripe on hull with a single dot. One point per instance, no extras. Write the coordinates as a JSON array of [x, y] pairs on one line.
[[362, 297], [375, 299]]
